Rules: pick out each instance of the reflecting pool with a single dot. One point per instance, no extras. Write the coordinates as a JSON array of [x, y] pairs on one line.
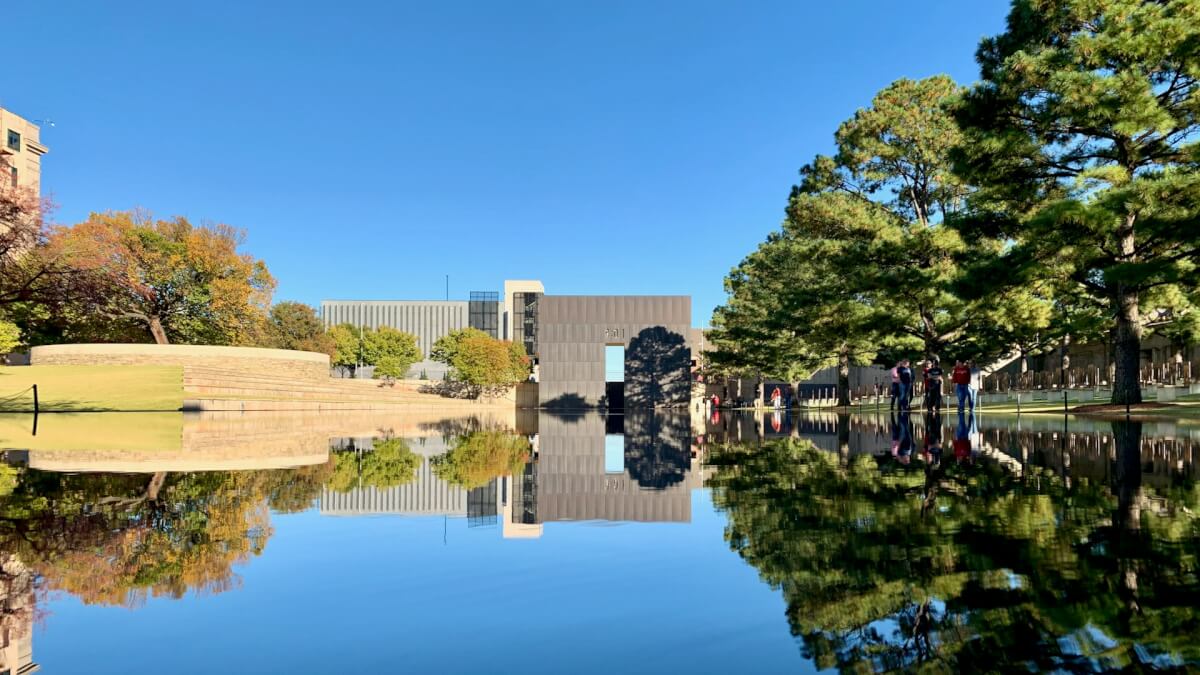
[[650, 542]]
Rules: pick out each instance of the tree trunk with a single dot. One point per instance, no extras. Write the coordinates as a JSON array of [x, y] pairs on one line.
[[1127, 436], [843, 370], [156, 329], [843, 434], [156, 483], [1126, 388]]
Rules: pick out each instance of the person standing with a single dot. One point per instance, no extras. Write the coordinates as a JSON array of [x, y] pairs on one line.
[[933, 385], [961, 377], [895, 392], [905, 375], [925, 384], [976, 383], [777, 398]]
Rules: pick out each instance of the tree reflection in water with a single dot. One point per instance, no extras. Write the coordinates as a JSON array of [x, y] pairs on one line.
[[949, 564], [116, 539]]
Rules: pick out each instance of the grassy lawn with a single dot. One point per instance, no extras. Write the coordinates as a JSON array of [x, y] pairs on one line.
[[92, 431], [92, 388]]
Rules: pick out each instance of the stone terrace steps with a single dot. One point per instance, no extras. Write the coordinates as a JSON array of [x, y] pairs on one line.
[[216, 383]]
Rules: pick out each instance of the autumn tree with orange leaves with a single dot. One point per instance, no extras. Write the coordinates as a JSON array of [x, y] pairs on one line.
[[168, 279]]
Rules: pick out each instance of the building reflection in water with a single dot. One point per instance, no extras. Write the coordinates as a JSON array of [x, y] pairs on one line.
[[571, 473]]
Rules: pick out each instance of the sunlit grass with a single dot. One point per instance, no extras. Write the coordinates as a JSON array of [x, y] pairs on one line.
[[92, 388]]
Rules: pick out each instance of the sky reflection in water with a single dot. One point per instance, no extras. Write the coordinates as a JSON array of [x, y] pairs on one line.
[[292, 545]]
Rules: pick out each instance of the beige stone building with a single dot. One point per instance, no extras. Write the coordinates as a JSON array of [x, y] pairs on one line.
[[21, 151]]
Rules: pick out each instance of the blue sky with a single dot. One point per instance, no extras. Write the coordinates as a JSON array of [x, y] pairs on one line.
[[371, 147]]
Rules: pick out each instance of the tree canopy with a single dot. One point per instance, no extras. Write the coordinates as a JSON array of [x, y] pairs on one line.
[[295, 325], [391, 351], [174, 281], [480, 362], [867, 261]]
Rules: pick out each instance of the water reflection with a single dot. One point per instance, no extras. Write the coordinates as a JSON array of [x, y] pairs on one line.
[[1037, 548], [897, 542], [635, 467]]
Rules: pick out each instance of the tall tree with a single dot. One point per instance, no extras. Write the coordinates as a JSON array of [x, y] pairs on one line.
[[790, 310], [176, 281], [1082, 136], [894, 160], [865, 261]]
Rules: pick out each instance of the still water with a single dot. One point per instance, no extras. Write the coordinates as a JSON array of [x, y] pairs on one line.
[[580, 543]]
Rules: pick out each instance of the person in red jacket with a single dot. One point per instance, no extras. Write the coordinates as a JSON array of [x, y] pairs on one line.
[[961, 377]]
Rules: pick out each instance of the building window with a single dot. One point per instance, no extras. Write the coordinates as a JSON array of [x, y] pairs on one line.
[[483, 312], [14, 140], [14, 176], [525, 320]]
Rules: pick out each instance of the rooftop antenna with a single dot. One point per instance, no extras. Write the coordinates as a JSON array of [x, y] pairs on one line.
[[447, 287]]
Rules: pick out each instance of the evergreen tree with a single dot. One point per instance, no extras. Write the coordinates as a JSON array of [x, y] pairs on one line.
[[1082, 138]]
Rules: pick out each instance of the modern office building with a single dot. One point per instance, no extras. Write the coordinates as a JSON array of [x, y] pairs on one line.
[[21, 151], [613, 352]]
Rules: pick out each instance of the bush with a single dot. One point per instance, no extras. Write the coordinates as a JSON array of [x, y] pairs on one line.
[[10, 337]]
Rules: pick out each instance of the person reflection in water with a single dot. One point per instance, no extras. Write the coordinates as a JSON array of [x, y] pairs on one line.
[[962, 437], [933, 460], [904, 448], [933, 438]]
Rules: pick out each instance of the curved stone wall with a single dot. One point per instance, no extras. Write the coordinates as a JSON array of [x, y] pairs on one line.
[[275, 362]]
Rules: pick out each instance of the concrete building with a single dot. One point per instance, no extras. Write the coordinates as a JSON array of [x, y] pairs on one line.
[[647, 340], [426, 319], [21, 151], [648, 334]]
